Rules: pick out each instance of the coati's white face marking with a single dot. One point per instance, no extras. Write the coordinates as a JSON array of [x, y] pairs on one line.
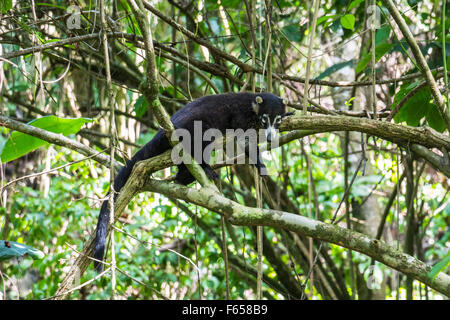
[[270, 110], [271, 126]]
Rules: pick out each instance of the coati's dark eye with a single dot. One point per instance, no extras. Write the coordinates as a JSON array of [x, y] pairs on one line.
[[264, 119], [278, 120]]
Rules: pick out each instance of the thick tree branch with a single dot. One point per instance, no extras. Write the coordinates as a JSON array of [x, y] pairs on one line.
[[242, 215], [402, 135], [437, 162], [251, 216]]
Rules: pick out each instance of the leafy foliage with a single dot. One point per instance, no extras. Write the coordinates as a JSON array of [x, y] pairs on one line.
[[380, 51], [5, 5], [418, 106], [57, 212], [19, 143]]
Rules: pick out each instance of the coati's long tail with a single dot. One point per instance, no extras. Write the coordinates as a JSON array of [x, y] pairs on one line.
[[154, 147]]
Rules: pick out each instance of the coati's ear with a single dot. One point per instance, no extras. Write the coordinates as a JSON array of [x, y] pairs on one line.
[[285, 101], [255, 106], [258, 100]]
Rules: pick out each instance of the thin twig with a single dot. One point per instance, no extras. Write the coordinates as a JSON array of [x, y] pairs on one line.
[[48, 171]]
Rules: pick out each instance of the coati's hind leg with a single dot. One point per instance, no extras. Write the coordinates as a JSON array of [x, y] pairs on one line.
[[185, 177]]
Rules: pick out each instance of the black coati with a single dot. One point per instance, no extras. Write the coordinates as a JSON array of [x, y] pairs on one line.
[[225, 111]]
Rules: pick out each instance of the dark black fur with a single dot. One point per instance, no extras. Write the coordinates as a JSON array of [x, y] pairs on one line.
[[225, 111]]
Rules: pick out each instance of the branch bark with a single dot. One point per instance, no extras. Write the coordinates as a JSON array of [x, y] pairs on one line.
[[417, 139], [402, 135], [242, 215]]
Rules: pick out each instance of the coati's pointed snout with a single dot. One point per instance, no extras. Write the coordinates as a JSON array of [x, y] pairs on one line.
[[271, 133]]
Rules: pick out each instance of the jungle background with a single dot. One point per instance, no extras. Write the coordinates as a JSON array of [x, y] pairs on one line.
[[366, 153]]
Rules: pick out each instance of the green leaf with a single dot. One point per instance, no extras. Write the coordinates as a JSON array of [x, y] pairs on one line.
[[39, 36], [211, 5], [412, 3], [417, 107], [406, 18], [231, 3], [11, 249], [329, 22], [21, 87], [284, 3], [348, 21], [334, 68], [326, 18], [19, 144], [354, 4], [348, 102], [380, 51], [5, 5], [141, 106], [382, 35], [438, 267], [435, 119]]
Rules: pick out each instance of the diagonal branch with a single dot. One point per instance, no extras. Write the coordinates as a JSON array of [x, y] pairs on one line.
[[439, 100], [150, 88], [241, 215]]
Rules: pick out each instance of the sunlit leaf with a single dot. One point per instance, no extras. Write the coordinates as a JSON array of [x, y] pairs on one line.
[[5, 5], [19, 144], [354, 4], [348, 21]]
